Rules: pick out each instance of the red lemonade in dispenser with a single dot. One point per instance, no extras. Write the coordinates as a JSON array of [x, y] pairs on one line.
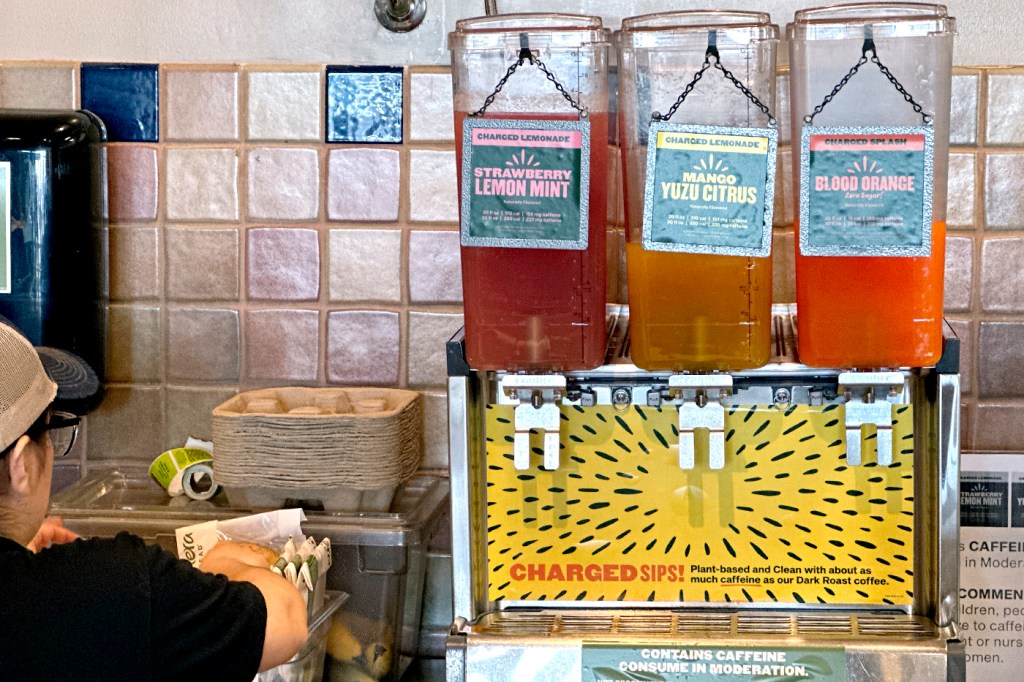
[[533, 213]]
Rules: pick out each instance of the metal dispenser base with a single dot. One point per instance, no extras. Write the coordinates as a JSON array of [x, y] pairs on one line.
[[511, 646], [505, 640]]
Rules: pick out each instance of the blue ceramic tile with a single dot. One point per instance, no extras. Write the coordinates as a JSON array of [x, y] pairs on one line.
[[125, 97], [364, 104]]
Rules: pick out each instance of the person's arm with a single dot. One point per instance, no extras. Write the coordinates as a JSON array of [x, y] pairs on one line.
[[286, 612]]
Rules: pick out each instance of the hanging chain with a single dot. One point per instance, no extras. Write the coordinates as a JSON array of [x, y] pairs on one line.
[[868, 47], [927, 118], [746, 91], [526, 55], [712, 51]]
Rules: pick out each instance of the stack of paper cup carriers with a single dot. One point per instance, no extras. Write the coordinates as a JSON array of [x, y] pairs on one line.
[[345, 448]]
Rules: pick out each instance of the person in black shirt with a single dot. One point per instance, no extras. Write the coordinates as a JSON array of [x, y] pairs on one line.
[[116, 608]]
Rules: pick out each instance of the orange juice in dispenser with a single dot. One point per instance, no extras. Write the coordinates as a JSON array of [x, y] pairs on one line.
[[870, 88]]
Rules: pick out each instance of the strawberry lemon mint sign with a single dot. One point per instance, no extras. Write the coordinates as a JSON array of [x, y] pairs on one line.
[[525, 183], [866, 191]]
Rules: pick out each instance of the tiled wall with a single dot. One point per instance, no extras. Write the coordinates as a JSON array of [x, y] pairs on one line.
[[275, 225]]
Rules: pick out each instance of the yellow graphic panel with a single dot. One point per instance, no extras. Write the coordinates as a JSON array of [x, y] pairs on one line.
[[786, 520]]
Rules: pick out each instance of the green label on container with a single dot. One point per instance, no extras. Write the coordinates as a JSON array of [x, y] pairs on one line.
[[525, 183], [617, 663], [866, 191], [5, 227], [709, 189]]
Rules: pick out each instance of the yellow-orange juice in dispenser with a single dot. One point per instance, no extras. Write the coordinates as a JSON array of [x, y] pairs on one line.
[[698, 136]]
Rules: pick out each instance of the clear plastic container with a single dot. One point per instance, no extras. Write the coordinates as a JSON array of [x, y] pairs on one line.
[[308, 664], [873, 310], [536, 307], [691, 310], [379, 558]]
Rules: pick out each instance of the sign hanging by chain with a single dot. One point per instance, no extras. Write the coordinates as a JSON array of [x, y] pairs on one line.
[[866, 190], [710, 189], [526, 181]]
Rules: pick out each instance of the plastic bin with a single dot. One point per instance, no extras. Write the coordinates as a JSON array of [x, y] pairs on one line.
[[308, 664], [379, 557]]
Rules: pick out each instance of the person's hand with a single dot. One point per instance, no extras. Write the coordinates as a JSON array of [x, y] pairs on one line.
[[52, 532], [229, 551]]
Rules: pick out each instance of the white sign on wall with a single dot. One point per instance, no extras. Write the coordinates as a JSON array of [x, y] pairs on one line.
[[992, 565]]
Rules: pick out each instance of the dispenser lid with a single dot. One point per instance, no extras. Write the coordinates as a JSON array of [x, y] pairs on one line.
[[556, 30], [887, 20], [664, 28]]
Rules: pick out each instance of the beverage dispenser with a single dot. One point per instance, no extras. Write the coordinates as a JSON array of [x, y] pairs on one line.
[[870, 93], [531, 130], [696, 102], [705, 504]]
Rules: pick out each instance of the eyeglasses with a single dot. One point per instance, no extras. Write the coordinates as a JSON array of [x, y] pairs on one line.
[[62, 428]]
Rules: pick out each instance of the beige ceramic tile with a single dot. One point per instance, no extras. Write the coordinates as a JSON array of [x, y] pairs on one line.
[[790, 190], [134, 263], [433, 195], [1000, 358], [134, 348], [202, 345], [202, 264], [284, 105], [1004, 202], [961, 191], [363, 184], [435, 431], [431, 115], [613, 265], [132, 182], [66, 473], [282, 264], [428, 333], [959, 273], [38, 87], [189, 413], [362, 347], [202, 184], [365, 265], [435, 267], [201, 104], [967, 422], [284, 183], [128, 424], [997, 426], [963, 115], [783, 267], [1005, 109], [782, 109], [281, 346], [1002, 278]]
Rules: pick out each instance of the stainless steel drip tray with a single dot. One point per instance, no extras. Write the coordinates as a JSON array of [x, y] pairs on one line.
[[557, 645]]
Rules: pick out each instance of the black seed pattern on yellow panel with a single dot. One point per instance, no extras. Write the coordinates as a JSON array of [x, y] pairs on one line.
[[613, 460]]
